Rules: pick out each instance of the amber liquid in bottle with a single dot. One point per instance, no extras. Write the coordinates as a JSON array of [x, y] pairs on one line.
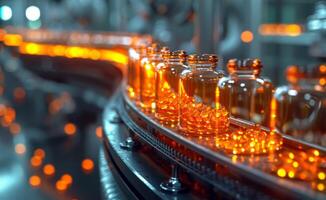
[[147, 78], [167, 88], [244, 93], [133, 77], [200, 111]]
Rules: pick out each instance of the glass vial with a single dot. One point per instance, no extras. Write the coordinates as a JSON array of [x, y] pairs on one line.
[[167, 87], [244, 93], [136, 53], [200, 111], [147, 77], [300, 106]]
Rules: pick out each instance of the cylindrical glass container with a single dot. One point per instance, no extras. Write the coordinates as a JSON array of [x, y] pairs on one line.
[[200, 111], [167, 87], [136, 53], [300, 106], [244, 93], [147, 77]]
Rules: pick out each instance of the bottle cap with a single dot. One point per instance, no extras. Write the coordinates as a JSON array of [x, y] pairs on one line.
[[247, 65]]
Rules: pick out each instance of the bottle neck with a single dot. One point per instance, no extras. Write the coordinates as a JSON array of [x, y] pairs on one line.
[[174, 61], [201, 66], [245, 73], [155, 57]]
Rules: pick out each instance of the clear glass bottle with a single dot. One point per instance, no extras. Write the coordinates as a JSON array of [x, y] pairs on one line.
[[300, 106], [167, 87], [147, 77], [244, 93], [200, 111], [136, 53]]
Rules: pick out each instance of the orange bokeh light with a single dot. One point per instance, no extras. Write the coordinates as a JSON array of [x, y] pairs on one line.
[[87, 164], [20, 149], [12, 39], [99, 132], [61, 185], [322, 68], [247, 36], [48, 169], [292, 30], [36, 161], [35, 181], [322, 81], [67, 178], [70, 129], [40, 153]]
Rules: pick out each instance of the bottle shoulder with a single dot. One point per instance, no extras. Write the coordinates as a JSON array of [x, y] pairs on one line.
[[245, 80], [171, 67], [201, 74], [297, 91]]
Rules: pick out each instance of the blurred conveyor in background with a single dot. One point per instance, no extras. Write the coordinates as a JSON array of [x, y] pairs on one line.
[[55, 115]]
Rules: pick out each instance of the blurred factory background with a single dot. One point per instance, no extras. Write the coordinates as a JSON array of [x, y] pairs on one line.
[[280, 32]]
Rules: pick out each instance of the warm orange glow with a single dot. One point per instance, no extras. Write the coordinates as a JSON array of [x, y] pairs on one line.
[[36, 161], [20, 149], [292, 30], [114, 56], [59, 50], [49, 170], [249, 141], [99, 132], [281, 172], [14, 128], [40, 153], [35, 181], [247, 36], [316, 152], [32, 48], [94, 54], [73, 52], [70, 129], [12, 39], [2, 34], [61, 185], [9, 115], [87, 164], [322, 68], [322, 81], [320, 186], [272, 123], [67, 178], [321, 176]]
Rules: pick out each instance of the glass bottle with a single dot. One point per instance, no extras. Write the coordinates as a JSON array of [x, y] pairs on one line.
[[147, 77], [300, 106], [167, 87], [244, 93], [136, 53], [200, 111]]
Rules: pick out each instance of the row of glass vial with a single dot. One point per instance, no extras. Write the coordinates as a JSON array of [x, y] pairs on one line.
[[190, 93]]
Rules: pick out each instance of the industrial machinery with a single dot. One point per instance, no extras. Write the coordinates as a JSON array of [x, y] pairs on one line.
[[179, 96]]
